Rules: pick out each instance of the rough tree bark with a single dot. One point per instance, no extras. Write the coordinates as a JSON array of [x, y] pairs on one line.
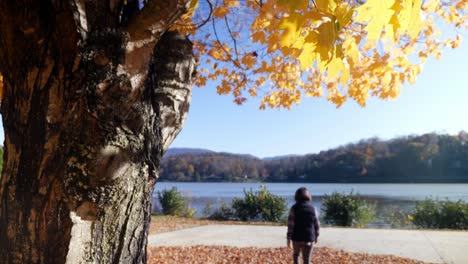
[[94, 93]]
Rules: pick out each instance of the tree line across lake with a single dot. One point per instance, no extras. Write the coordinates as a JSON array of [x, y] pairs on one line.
[[428, 158]]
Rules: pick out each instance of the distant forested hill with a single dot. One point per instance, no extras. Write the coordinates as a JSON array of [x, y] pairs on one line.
[[178, 151], [426, 158]]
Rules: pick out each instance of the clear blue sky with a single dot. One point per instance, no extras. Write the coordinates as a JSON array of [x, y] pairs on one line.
[[437, 102]]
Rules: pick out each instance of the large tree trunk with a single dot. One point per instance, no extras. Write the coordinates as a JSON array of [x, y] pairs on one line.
[[90, 103]]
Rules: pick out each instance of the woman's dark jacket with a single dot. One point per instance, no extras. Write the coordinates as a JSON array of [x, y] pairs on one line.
[[303, 223]]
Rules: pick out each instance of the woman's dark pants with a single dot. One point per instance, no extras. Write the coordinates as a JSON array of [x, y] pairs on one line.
[[305, 248]]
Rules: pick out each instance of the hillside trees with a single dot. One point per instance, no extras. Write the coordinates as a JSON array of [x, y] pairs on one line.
[[94, 92], [425, 158]]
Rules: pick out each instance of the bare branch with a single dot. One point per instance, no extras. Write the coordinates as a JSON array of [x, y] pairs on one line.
[[210, 5], [232, 37], [228, 54]]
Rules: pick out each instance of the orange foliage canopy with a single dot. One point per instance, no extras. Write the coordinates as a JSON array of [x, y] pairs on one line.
[[281, 50]]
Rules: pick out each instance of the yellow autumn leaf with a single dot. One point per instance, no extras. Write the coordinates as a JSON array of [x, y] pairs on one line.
[[387, 78], [273, 42], [200, 81], [326, 5], [260, 23], [248, 60], [307, 56], [377, 14], [323, 38], [351, 49], [224, 88], [344, 12], [430, 6], [220, 11], [345, 75], [415, 23], [292, 28], [406, 18], [294, 5], [335, 66], [402, 14], [193, 7], [231, 3], [259, 36], [218, 54], [337, 98], [326, 37]]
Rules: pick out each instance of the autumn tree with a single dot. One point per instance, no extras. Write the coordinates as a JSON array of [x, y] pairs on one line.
[[94, 92]]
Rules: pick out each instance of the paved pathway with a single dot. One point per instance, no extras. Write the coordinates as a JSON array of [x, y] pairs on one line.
[[430, 246]]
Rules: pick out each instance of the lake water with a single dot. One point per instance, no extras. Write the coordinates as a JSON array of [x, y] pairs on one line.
[[387, 197]]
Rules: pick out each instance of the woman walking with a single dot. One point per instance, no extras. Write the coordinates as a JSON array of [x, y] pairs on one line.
[[303, 226]]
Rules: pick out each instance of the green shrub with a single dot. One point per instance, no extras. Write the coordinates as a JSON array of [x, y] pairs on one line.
[[260, 205], [347, 210], [207, 210], [446, 214], [189, 212], [397, 217], [173, 203], [223, 213]]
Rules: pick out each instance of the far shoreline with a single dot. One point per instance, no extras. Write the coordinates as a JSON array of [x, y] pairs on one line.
[[435, 183]]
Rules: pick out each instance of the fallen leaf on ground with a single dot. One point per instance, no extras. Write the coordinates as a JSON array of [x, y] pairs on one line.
[[250, 255]]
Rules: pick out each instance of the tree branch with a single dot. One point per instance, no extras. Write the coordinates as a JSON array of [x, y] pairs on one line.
[[144, 31], [155, 17]]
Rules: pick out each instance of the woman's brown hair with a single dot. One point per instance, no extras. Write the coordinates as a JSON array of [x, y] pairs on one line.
[[302, 194]]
